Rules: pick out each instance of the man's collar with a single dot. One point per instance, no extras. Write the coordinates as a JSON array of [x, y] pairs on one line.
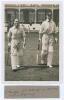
[[16, 27], [47, 20]]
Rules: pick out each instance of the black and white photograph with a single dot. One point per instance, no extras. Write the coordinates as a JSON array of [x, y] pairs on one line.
[[31, 42]]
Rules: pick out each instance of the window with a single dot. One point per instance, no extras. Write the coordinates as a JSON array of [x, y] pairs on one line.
[[10, 15], [31, 16], [27, 16], [40, 15]]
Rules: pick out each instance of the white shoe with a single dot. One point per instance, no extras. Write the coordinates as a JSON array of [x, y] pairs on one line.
[[18, 66], [50, 66], [14, 68]]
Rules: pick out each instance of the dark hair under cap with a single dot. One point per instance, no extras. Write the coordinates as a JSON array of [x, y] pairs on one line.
[[50, 14]]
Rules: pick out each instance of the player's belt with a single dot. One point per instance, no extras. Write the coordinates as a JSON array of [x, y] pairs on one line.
[[50, 33], [16, 38]]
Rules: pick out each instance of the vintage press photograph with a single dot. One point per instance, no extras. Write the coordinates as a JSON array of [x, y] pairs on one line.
[[31, 42]]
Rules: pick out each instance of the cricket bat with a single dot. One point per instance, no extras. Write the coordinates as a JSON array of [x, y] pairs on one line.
[[39, 52]]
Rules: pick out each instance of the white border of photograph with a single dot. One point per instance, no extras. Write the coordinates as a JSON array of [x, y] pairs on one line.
[[61, 53], [2, 40]]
